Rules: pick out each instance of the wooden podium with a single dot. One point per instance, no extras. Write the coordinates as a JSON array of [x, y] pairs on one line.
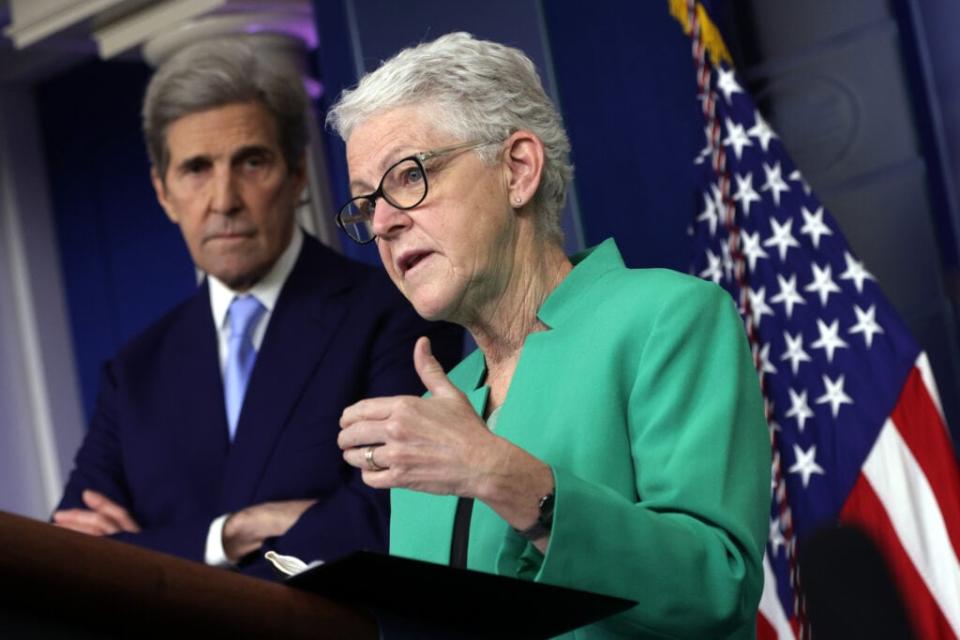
[[58, 583]]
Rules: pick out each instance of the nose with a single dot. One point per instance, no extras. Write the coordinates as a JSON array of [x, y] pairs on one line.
[[225, 197], [388, 220]]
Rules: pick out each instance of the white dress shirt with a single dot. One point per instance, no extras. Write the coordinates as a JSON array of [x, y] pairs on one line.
[[266, 290]]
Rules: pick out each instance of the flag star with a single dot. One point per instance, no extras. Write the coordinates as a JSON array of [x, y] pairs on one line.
[[799, 408], [709, 214], [806, 464], [788, 295], [776, 537], [758, 305], [752, 249], [814, 226], [794, 353], [736, 138], [781, 238], [745, 193], [727, 83], [855, 272], [727, 260], [866, 324], [718, 203], [712, 272], [822, 283], [834, 394], [796, 176], [707, 150], [761, 130], [829, 339], [772, 427], [774, 183], [765, 365]]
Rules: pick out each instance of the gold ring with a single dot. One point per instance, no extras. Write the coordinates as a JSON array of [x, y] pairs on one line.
[[371, 463]]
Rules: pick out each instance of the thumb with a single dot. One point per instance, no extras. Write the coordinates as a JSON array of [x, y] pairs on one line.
[[431, 373]]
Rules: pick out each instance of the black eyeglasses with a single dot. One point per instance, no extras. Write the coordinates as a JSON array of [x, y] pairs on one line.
[[404, 185]]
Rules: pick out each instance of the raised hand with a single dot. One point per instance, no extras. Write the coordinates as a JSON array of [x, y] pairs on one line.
[[439, 445], [435, 444]]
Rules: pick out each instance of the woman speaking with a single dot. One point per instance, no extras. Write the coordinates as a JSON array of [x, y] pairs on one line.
[[608, 433]]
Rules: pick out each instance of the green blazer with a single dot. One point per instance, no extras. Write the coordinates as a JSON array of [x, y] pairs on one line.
[[643, 399]]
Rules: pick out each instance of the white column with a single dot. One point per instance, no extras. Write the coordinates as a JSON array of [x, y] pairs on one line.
[[41, 421]]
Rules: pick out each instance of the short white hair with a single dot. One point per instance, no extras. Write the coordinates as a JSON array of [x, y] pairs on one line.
[[478, 90]]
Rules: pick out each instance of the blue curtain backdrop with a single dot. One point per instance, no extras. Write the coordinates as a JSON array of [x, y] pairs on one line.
[[622, 72], [627, 91], [124, 263]]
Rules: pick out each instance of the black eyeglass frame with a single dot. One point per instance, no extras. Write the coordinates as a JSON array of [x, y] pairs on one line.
[[419, 159]]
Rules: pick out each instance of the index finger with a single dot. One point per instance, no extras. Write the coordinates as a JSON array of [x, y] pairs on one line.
[[368, 409], [110, 510], [84, 521]]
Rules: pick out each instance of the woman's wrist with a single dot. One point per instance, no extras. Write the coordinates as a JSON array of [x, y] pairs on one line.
[[516, 487]]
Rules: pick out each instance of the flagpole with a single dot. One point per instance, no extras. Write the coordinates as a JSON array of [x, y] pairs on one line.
[[708, 97]]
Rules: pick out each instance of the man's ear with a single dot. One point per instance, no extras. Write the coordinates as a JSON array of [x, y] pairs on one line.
[[524, 162], [161, 190]]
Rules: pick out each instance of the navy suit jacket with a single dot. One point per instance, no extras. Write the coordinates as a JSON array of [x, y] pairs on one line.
[[158, 443]]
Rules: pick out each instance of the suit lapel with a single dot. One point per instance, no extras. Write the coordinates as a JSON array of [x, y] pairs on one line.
[[196, 391], [304, 321]]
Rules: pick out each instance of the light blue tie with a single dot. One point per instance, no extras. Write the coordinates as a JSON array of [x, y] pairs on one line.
[[243, 314]]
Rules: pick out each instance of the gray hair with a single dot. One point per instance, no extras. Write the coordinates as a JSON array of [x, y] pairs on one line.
[[480, 90], [214, 74]]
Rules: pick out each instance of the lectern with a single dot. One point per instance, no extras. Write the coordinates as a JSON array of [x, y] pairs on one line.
[[56, 583]]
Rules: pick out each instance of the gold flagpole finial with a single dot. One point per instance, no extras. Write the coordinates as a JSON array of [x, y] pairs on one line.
[[709, 33]]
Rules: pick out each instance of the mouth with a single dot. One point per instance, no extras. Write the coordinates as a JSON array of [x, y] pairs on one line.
[[409, 260], [229, 235]]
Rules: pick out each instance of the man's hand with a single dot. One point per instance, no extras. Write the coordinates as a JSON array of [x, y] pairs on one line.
[[245, 530], [103, 517]]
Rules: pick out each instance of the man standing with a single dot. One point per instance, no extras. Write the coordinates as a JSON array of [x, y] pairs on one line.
[[214, 435]]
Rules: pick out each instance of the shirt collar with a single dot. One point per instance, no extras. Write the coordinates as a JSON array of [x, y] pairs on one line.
[[266, 290]]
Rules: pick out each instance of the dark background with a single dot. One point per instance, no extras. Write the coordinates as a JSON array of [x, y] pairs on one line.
[[862, 93]]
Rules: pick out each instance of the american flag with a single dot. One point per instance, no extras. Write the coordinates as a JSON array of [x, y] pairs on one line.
[[857, 431]]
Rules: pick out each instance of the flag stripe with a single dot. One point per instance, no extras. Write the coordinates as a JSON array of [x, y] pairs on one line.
[[911, 506], [772, 621], [863, 506], [764, 630], [918, 422], [923, 364]]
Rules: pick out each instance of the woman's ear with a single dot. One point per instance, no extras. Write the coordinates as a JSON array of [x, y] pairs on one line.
[[524, 163]]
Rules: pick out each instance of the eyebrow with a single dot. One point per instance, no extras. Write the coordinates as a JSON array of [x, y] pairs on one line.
[[251, 150], [396, 154], [236, 156], [360, 185], [192, 160]]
